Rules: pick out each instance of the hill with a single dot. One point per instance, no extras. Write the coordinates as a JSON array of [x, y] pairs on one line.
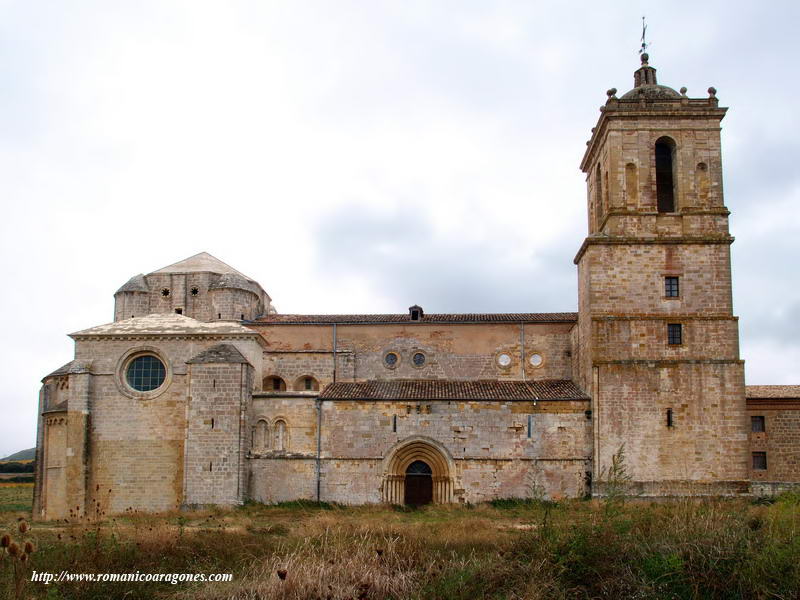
[[28, 454]]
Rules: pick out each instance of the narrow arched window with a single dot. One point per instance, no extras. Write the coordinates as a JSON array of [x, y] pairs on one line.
[[598, 196], [261, 437], [702, 184], [665, 180], [280, 436], [631, 185]]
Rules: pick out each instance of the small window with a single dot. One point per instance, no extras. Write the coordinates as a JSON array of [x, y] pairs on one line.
[[306, 383], [503, 360], [670, 422], [178, 311], [758, 424], [165, 292], [195, 291], [390, 359], [671, 287], [759, 461], [674, 334], [418, 359], [394, 423], [530, 426], [274, 384]]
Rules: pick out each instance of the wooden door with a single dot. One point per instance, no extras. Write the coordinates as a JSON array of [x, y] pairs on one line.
[[419, 484]]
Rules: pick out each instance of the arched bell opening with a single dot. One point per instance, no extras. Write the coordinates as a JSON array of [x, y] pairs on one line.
[[417, 472]]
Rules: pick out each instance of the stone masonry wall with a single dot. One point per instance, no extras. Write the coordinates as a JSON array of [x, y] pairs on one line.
[[452, 351], [215, 434], [135, 449], [780, 441], [703, 445], [488, 442]]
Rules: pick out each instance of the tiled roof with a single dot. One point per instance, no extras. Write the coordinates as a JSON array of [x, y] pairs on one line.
[[560, 389], [772, 391], [221, 353], [235, 281], [165, 324], [202, 262], [73, 366], [137, 283], [428, 318]]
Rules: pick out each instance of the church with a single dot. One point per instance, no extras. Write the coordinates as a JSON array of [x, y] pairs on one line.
[[201, 393]]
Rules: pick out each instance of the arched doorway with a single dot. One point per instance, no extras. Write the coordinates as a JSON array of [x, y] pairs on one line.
[[419, 484], [423, 464]]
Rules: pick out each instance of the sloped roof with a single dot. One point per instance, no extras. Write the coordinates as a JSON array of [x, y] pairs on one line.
[[73, 366], [561, 389], [221, 353], [165, 324], [427, 318], [235, 281], [200, 263], [772, 391], [136, 283], [60, 407]]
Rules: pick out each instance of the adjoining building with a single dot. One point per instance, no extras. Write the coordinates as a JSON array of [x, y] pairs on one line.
[[201, 393]]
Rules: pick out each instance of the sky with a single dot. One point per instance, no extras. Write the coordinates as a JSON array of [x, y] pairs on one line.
[[361, 156]]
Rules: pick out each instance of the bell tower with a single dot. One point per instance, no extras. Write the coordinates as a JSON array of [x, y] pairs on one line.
[[658, 344]]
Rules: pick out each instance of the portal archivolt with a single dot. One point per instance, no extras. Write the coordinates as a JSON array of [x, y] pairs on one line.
[[403, 456]]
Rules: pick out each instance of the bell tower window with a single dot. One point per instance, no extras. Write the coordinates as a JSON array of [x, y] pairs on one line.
[[665, 185]]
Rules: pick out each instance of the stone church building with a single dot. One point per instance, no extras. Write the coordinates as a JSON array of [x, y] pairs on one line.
[[200, 393]]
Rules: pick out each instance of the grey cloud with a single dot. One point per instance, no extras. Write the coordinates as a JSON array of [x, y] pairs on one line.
[[400, 256]]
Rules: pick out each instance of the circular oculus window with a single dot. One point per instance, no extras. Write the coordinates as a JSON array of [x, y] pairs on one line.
[[418, 359], [536, 360], [145, 373], [503, 360], [391, 359]]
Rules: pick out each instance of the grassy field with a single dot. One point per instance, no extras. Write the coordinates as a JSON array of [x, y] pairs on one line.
[[15, 497], [509, 549]]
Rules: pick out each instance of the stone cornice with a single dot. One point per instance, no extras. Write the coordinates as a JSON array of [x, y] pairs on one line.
[[169, 336], [655, 241], [664, 316], [687, 211], [662, 362]]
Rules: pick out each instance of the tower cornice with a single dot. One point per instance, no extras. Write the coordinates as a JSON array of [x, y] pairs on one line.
[[656, 241], [643, 110]]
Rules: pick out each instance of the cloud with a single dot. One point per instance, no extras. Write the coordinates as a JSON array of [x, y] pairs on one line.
[[400, 256]]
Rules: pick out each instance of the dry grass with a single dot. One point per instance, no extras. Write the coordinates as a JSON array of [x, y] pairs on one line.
[[698, 549], [16, 497]]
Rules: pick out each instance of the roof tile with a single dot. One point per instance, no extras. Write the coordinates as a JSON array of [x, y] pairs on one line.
[[427, 318], [406, 389]]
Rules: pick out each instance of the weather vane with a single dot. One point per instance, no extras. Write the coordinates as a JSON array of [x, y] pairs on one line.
[[643, 49]]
